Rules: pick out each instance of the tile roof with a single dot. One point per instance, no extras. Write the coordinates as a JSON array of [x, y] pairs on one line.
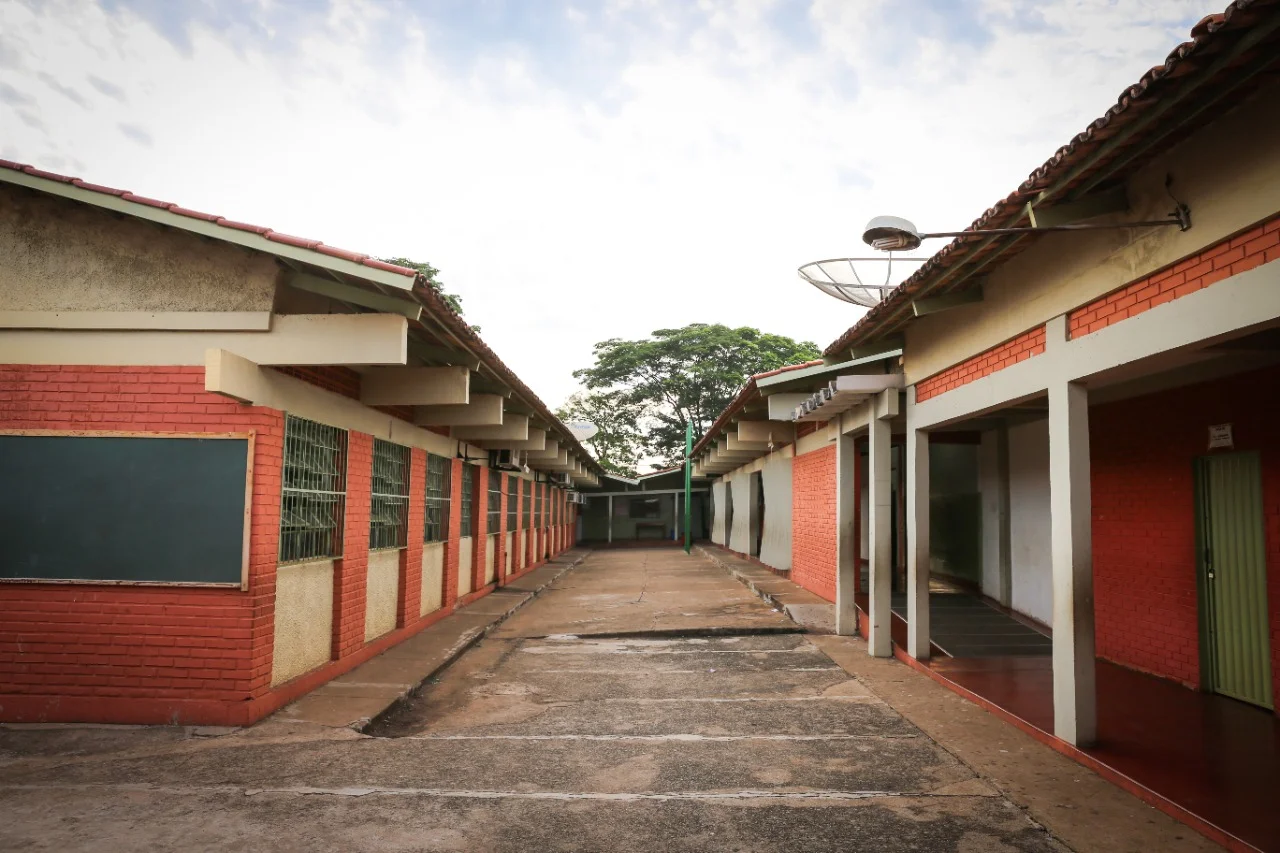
[[424, 293], [1213, 61], [741, 400], [274, 236]]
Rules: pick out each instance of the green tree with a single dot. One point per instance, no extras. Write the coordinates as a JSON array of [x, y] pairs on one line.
[[619, 443], [686, 374], [429, 272]]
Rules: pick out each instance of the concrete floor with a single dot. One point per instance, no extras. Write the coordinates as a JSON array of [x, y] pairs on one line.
[[644, 701]]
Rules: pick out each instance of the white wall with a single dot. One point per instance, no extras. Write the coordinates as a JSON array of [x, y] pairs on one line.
[[989, 485], [465, 553], [717, 522], [432, 578], [740, 536], [775, 549], [1029, 520]]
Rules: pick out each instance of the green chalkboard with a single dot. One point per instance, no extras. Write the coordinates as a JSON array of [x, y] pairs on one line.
[[106, 507]]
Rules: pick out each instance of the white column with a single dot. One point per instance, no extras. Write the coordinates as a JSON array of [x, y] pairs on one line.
[[1074, 691], [846, 557], [610, 518], [881, 505], [917, 536]]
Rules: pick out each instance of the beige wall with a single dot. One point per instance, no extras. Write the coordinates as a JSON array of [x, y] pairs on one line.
[[432, 578], [62, 255], [491, 559], [303, 619], [382, 594], [510, 566], [465, 553], [1228, 174]]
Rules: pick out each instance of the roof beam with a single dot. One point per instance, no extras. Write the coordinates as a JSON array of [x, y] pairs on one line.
[[1115, 200], [353, 295], [481, 410], [782, 405], [415, 386], [537, 440], [430, 352], [947, 301], [513, 427], [766, 431], [549, 451]]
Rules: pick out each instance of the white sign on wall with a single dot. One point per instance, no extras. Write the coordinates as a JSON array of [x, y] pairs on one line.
[[1220, 436]]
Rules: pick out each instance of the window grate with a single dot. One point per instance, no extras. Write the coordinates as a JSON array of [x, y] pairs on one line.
[[439, 486], [389, 506], [538, 520], [513, 508], [494, 509], [527, 501], [468, 498], [314, 492]]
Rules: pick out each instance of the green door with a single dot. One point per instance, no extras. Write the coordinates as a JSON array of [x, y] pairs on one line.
[[1235, 652]]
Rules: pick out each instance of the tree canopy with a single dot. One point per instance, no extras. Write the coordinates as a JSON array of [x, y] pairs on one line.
[[429, 272], [618, 444], [658, 384]]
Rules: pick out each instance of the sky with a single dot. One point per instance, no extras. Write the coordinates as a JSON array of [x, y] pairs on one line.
[[577, 170]]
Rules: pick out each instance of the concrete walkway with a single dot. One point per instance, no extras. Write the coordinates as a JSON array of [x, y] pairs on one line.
[[366, 692], [646, 700]]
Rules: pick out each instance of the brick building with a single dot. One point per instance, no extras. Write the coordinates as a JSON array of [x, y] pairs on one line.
[[239, 463], [1075, 435]]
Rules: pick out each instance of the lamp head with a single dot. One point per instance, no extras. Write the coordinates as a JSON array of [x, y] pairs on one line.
[[890, 234]]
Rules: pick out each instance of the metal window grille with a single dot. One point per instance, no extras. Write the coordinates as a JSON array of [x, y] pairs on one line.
[[439, 486], [468, 498], [538, 519], [389, 507], [314, 492], [527, 497], [513, 508], [494, 509]]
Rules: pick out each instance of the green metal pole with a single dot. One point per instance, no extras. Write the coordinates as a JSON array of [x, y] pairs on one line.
[[688, 486]]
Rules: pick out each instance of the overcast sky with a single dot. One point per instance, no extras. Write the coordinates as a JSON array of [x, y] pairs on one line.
[[577, 170]]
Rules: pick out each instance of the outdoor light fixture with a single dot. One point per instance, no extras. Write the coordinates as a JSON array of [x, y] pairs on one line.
[[839, 278], [893, 233]]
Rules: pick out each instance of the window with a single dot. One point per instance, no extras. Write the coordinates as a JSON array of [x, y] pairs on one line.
[[468, 497], [527, 494], [494, 519], [538, 520], [646, 507], [439, 485], [314, 492], [513, 508], [389, 507]]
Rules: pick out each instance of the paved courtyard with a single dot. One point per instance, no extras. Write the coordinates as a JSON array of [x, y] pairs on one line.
[[646, 700]]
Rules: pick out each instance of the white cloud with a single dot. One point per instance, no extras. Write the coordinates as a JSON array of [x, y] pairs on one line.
[[684, 182]]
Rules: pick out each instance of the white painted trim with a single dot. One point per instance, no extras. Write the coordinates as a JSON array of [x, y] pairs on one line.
[[240, 379], [1241, 302], [224, 321], [294, 339]]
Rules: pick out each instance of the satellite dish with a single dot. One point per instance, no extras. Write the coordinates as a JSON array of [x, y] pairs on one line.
[[582, 430]]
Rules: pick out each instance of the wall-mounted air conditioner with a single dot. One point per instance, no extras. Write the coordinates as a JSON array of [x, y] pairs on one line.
[[507, 460], [561, 480], [576, 498]]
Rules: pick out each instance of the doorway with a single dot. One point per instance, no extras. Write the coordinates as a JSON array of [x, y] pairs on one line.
[[757, 489], [1235, 641]]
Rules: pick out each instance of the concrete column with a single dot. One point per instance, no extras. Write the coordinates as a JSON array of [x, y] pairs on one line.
[[881, 506], [610, 518], [1074, 691], [846, 540], [917, 537]]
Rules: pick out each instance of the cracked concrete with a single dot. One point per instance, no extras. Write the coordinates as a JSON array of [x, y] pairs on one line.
[[646, 700]]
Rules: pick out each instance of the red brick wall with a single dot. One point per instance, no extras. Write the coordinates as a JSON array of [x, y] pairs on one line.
[[411, 556], [351, 573], [1254, 247], [813, 522], [1009, 353], [1144, 559], [66, 648], [451, 555]]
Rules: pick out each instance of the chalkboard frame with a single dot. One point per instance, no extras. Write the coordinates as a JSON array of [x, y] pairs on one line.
[[249, 439]]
